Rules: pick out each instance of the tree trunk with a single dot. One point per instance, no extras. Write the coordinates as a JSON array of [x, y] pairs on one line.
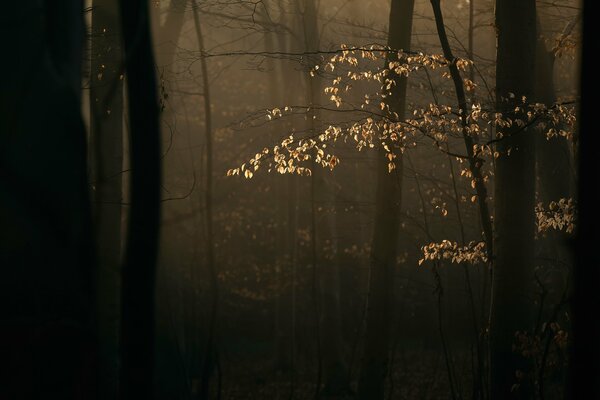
[[475, 166], [283, 258], [139, 270], [329, 338], [210, 354], [45, 225], [512, 286], [387, 222], [584, 365], [106, 136]]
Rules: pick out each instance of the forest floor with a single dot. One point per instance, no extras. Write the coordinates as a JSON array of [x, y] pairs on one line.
[[416, 375], [419, 374]]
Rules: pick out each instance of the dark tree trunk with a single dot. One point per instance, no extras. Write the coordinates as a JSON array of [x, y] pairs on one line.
[[137, 317], [387, 223], [106, 136], [585, 353], [46, 258], [512, 287]]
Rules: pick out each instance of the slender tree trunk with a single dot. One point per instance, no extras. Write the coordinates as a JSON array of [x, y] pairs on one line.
[[310, 27], [139, 270], [475, 163], [283, 245], [211, 354], [387, 223], [106, 103], [512, 285]]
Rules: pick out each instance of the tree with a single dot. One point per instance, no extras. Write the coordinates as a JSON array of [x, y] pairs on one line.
[[514, 201], [46, 340], [139, 269], [387, 222], [211, 353], [106, 137], [585, 352]]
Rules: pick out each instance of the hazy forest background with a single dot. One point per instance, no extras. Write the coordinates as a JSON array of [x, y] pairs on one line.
[[298, 199]]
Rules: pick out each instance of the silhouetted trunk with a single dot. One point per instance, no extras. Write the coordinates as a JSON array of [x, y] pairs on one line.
[[46, 288], [584, 365], [475, 162], [106, 137], [512, 285], [139, 270], [387, 223]]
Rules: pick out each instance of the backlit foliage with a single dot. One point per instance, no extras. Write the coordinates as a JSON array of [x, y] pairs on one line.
[[472, 253], [559, 215], [548, 347], [379, 126]]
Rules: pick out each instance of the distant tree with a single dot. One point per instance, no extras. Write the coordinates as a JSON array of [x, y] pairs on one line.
[[388, 199], [211, 354], [324, 249]]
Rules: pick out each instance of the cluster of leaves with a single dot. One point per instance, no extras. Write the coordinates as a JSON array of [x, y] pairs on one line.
[[559, 215], [547, 349], [380, 126], [472, 253], [556, 120], [287, 156]]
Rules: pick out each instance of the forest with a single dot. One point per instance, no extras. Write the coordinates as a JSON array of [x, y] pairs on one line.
[[298, 199]]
